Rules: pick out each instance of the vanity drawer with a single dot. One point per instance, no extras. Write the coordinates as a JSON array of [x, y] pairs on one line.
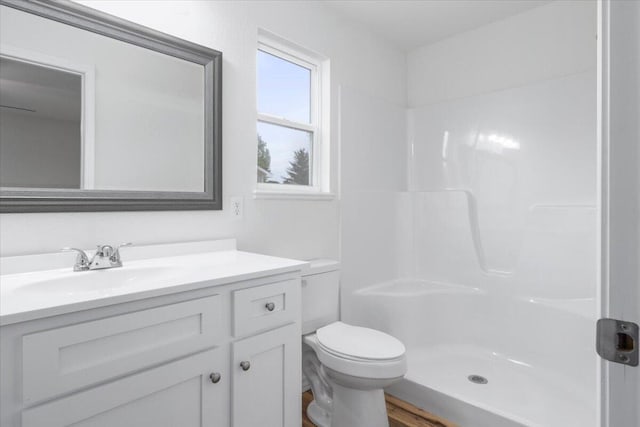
[[266, 307], [65, 359]]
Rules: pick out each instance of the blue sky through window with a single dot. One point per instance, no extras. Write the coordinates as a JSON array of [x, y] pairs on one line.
[[283, 90]]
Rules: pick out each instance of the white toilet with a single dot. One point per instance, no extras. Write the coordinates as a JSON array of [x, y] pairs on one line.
[[346, 366]]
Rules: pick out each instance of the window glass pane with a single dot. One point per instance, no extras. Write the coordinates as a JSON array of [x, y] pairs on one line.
[[284, 88], [284, 155]]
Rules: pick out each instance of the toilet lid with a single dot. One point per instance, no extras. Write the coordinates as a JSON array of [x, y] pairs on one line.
[[358, 342]]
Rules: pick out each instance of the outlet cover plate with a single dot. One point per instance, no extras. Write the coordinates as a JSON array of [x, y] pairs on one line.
[[236, 205]]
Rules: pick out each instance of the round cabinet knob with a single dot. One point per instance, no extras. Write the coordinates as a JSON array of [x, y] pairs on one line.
[[245, 365], [215, 377], [270, 306]]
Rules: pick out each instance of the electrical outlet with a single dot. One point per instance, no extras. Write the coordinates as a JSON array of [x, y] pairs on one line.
[[236, 206]]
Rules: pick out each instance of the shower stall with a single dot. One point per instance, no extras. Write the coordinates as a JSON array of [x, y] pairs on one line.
[[476, 233]]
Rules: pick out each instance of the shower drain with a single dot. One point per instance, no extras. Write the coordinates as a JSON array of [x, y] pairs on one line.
[[477, 379]]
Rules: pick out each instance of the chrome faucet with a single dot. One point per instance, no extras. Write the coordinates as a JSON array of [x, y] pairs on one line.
[[105, 257], [82, 260]]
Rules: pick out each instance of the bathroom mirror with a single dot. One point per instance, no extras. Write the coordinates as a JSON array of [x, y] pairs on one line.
[[99, 114]]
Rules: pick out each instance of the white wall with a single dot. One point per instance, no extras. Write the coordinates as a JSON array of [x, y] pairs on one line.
[[547, 42], [301, 229], [375, 234], [38, 151]]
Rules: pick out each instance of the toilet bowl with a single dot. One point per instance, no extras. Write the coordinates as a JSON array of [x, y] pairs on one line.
[[355, 364], [346, 366]]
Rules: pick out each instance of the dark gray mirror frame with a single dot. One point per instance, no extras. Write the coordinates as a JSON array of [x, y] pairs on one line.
[[102, 200]]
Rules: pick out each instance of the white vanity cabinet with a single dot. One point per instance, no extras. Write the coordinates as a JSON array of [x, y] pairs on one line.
[[266, 388], [167, 361]]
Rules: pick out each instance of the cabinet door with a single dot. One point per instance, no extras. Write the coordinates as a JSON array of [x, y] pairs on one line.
[[267, 393], [177, 394], [62, 360]]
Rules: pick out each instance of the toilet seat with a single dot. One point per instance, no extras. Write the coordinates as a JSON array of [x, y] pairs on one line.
[[358, 352], [358, 343]]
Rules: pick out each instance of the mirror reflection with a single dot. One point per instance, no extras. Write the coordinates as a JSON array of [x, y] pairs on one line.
[[40, 126], [85, 111]]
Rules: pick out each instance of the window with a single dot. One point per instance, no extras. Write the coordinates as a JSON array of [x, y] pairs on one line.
[[290, 146]]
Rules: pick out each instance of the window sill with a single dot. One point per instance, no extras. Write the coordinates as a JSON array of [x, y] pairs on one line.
[[292, 195]]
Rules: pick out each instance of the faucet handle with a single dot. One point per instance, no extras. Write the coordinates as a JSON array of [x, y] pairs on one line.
[[82, 260], [81, 253], [116, 252]]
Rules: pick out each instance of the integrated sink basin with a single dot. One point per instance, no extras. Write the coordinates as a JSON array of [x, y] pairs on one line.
[[101, 281]]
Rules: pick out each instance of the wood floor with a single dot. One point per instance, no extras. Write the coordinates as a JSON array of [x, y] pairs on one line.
[[401, 414]]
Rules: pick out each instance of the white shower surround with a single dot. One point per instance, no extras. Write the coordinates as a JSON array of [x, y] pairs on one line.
[[483, 260], [504, 288]]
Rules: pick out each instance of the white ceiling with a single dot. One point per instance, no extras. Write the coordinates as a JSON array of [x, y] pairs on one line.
[[413, 23]]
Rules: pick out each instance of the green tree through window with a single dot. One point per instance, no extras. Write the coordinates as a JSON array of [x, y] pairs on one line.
[[264, 160], [298, 168], [264, 157]]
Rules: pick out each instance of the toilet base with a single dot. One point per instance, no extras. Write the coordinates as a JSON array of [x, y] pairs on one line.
[[358, 408], [318, 416], [354, 399], [351, 408]]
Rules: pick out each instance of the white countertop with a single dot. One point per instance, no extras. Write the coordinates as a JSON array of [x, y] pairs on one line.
[[36, 294]]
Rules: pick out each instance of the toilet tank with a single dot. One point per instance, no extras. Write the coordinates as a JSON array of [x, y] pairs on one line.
[[320, 294]]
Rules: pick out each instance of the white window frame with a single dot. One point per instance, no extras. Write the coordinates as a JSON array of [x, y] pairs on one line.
[[319, 188]]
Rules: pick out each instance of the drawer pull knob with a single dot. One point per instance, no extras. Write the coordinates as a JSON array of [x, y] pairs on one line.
[[270, 306], [245, 365], [215, 377]]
